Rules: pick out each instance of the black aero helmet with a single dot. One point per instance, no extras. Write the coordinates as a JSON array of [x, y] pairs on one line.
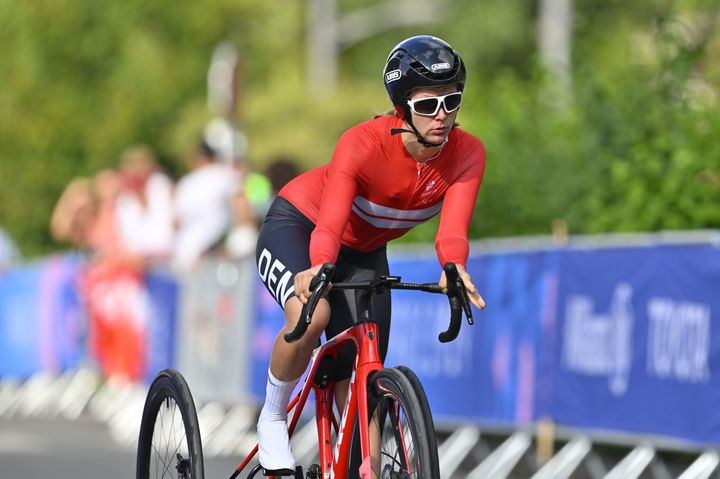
[[421, 61]]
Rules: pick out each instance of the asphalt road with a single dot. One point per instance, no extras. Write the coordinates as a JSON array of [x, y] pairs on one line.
[[82, 449]]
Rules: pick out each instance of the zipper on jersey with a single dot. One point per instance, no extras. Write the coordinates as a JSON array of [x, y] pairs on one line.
[[420, 170]]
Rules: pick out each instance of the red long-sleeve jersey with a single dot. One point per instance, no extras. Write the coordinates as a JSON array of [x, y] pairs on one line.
[[373, 191]]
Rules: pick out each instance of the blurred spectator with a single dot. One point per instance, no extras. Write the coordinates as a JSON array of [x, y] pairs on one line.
[[103, 235], [85, 215], [261, 189], [9, 254], [242, 237], [132, 226], [251, 203], [126, 218], [203, 206], [74, 213], [118, 316], [258, 191], [281, 170], [145, 206]]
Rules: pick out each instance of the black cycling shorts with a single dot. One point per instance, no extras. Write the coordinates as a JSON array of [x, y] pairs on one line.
[[283, 250]]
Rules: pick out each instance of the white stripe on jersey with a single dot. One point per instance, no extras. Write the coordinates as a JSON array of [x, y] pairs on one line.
[[375, 209], [390, 218]]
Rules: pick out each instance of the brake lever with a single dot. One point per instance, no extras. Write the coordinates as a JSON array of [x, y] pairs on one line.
[[465, 302], [318, 286], [459, 303]]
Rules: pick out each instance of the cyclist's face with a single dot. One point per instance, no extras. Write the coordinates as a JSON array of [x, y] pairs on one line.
[[435, 128]]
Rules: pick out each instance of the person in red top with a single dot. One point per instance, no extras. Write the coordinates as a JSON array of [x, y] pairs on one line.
[[386, 176]]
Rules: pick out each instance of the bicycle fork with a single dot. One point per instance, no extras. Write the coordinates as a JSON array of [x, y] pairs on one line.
[[338, 458]]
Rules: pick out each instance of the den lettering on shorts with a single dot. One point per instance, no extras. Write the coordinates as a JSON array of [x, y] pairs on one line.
[[278, 279]]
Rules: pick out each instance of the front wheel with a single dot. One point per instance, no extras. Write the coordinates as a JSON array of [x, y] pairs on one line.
[[402, 434], [169, 444]]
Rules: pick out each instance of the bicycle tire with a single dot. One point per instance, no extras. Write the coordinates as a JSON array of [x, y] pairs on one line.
[[169, 444], [411, 452], [425, 405]]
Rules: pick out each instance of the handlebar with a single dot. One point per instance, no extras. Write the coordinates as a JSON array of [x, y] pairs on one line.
[[318, 286], [459, 302], [455, 291]]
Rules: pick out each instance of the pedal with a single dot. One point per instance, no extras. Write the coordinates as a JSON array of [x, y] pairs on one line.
[[313, 472], [297, 473]]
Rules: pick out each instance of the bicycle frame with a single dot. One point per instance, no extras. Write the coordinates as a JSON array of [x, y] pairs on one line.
[[364, 335], [334, 462]]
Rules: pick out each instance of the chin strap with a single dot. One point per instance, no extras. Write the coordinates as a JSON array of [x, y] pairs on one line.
[[420, 139]]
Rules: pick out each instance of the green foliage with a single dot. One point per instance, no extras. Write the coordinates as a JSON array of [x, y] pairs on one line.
[[82, 81], [632, 148], [629, 145], [655, 134]]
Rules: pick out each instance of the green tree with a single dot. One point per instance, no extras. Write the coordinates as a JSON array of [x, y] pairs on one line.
[[632, 149]]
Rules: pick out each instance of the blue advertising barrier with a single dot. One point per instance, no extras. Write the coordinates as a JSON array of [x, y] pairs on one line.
[[490, 372], [20, 350], [44, 322], [62, 315], [163, 293], [638, 344], [609, 339], [42, 319], [623, 339]]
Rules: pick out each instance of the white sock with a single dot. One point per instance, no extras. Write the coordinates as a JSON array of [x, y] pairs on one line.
[[274, 450]]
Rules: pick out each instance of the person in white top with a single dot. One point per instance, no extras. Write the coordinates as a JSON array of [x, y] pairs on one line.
[[145, 208], [203, 206]]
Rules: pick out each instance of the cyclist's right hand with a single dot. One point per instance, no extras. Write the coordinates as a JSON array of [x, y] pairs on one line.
[[302, 283], [473, 294]]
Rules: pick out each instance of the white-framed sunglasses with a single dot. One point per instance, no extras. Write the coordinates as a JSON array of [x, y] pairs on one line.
[[429, 106]]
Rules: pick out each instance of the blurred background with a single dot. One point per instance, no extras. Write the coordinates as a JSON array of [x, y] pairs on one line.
[[142, 141]]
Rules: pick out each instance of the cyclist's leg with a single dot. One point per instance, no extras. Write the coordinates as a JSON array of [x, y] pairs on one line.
[[356, 266], [282, 251], [288, 361]]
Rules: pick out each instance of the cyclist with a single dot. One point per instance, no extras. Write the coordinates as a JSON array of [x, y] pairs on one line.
[[387, 175]]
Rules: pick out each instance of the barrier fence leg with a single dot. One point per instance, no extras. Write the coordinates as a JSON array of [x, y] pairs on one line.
[[503, 460], [703, 466], [633, 464], [456, 448], [235, 425], [566, 461], [9, 391], [305, 445]]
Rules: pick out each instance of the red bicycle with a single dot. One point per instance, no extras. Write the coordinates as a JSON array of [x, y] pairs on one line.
[[386, 429]]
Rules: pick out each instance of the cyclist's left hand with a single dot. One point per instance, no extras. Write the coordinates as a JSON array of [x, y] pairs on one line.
[[472, 291], [302, 283]]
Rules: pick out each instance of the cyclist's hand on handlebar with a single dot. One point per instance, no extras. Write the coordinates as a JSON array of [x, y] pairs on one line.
[[473, 294], [302, 283]]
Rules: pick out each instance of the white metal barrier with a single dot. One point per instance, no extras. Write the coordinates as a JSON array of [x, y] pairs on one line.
[[464, 451]]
